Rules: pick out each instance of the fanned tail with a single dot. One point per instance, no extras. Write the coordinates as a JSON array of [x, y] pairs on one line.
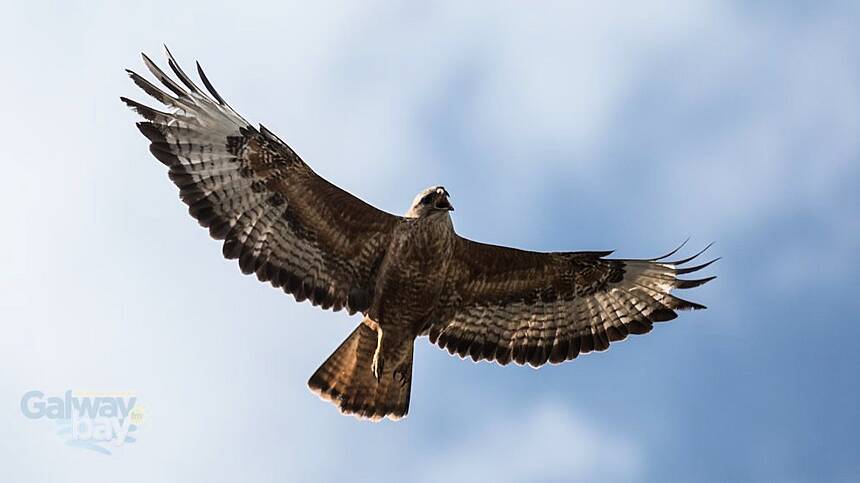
[[347, 380]]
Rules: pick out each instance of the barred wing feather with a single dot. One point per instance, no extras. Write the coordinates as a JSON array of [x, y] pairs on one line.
[[281, 220], [502, 304]]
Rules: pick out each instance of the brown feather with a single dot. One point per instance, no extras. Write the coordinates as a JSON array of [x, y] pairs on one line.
[[346, 379], [550, 307]]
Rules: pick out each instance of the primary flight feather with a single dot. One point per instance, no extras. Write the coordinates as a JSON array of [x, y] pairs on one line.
[[408, 275]]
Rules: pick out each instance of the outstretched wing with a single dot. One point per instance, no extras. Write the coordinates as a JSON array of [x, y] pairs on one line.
[[504, 304], [276, 216]]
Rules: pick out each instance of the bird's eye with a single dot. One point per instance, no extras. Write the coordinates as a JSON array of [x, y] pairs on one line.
[[428, 198]]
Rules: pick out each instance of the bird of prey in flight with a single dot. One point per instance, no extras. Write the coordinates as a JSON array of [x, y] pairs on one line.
[[409, 276]]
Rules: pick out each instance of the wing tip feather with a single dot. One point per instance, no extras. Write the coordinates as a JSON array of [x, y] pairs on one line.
[[686, 284], [688, 259], [208, 85], [685, 270], [670, 253]]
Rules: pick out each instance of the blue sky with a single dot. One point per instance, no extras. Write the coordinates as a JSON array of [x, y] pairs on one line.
[[627, 126]]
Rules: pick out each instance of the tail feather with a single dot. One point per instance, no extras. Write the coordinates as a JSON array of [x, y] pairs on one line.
[[347, 380]]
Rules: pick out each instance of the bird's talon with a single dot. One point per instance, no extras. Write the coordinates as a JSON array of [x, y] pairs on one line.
[[400, 376]]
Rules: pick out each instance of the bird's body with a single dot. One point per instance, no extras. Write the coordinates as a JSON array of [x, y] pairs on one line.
[[413, 272], [409, 276], [410, 281], [412, 276]]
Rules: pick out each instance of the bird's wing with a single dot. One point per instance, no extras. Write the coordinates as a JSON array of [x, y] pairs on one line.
[[281, 220], [502, 304]]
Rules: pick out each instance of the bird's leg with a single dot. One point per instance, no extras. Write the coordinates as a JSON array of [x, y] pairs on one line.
[[378, 360]]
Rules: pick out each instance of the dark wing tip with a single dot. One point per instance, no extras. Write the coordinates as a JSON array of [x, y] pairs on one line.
[[688, 259], [147, 112], [151, 131], [164, 78], [681, 271], [663, 315], [208, 85], [672, 252], [692, 306], [684, 284], [174, 66], [677, 303]]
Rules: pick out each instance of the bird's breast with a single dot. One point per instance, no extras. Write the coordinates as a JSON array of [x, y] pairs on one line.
[[413, 273]]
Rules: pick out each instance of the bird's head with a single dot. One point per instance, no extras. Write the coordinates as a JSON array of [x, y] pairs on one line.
[[432, 200]]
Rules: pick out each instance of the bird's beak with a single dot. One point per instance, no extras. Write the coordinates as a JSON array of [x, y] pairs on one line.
[[444, 204]]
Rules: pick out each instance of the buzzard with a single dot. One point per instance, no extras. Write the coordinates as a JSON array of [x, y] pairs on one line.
[[409, 276]]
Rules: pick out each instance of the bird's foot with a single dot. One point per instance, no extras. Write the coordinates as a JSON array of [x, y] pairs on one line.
[[377, 366], [401, 375]]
